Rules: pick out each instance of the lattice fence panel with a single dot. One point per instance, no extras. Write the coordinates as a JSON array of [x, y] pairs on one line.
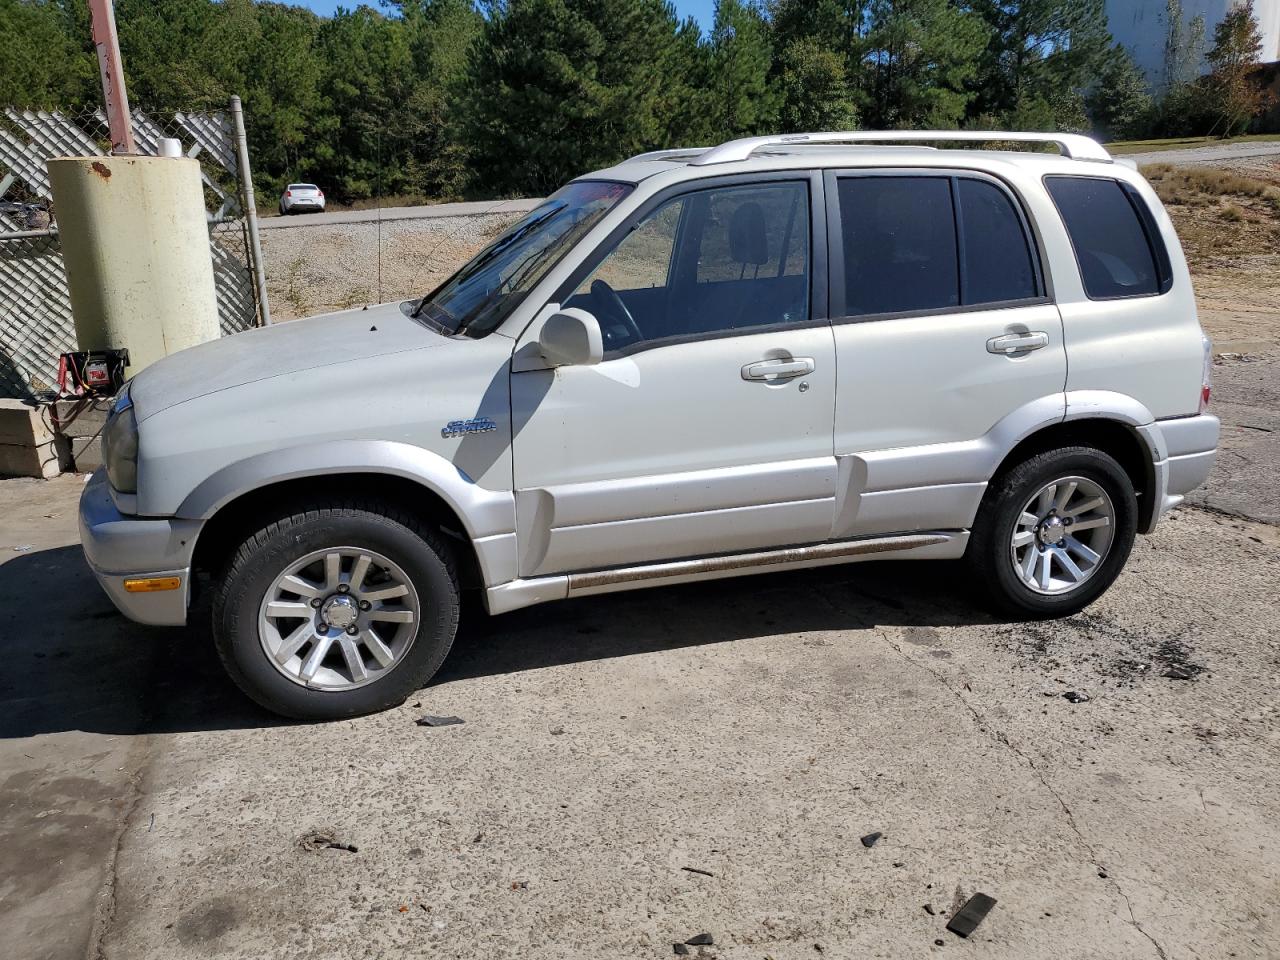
[[35, 311]]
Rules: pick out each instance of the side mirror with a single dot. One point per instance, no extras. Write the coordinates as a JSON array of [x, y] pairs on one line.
[[571, 338]]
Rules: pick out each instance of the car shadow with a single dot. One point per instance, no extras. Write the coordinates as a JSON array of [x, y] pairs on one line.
[[73, 663], [918, 594]]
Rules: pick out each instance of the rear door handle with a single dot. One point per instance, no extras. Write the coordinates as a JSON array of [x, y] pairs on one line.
[[1017, 342], [778, 369]]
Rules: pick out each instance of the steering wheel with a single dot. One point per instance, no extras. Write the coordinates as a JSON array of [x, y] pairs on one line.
[[611, 305]]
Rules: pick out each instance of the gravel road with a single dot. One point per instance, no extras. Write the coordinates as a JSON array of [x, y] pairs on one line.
[[750, 729]]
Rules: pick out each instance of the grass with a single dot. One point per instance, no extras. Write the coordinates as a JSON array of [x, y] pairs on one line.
[[1219, 215], [1121, 147]]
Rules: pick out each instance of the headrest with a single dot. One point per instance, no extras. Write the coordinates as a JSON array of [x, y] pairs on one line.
[[748, 242]]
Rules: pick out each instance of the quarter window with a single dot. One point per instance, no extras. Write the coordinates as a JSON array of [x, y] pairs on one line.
[[1112, 247]]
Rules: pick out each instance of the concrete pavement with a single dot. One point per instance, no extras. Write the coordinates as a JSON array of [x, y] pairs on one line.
[[752, 729]]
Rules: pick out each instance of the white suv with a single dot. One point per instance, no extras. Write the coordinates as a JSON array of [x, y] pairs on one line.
[[781, 352]]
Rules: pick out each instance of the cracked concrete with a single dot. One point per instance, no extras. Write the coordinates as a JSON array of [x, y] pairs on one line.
[[751, 729]]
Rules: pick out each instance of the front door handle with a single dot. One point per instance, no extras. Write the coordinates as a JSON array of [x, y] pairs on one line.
[[1017, 342], [778, 369]]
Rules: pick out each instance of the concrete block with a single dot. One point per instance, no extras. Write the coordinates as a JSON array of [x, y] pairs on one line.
[[26, 442], [85, 453], [77, 418]]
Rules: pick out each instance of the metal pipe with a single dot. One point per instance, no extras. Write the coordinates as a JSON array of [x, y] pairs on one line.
[[250, 211], [119, 120]]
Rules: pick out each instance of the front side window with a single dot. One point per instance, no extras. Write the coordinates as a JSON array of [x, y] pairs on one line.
[[709, 262], [476, 299], [1111, 245]]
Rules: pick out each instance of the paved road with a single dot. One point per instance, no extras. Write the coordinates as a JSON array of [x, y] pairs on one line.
[[469, 209], [1210, 154]]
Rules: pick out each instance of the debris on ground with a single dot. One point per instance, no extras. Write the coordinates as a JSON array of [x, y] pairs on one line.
[[680, 949], [870, 839], [557, 731], [1072, 696], [1177, 673], [324, 838], [433, 721], [22, 548], [971, 914], [928, 908], [705, 873], [701, 940], [519, 884]]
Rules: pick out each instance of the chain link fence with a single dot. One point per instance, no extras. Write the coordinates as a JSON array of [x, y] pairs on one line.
[[35, 308]]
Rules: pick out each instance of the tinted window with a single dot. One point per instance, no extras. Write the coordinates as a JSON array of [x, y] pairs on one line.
[[1111, 245], [996, 257], [899, 244], [706, 262]]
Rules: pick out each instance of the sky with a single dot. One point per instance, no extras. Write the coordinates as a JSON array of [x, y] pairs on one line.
[[703, 10]]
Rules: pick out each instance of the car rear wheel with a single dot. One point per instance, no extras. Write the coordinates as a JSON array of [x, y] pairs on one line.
[[1054, 532], [336, 611]]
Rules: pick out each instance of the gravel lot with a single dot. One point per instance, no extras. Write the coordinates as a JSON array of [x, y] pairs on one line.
[[752, 730]]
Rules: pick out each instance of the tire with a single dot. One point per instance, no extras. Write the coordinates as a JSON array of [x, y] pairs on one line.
[[1000, 565], [414, 627]]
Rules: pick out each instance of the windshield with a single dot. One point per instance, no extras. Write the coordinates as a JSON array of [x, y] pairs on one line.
[[476, 299]]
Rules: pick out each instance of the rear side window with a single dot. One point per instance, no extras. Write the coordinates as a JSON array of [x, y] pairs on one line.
[[997, 264], [1112, 239], [932, 243], [899, 244]]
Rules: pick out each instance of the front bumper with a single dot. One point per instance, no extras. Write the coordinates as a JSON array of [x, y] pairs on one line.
[[118, 548]]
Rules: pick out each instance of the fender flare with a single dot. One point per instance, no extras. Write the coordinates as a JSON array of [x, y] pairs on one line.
[[483, 513]]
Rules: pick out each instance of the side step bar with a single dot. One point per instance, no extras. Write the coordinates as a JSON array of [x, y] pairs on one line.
[[938, 545]]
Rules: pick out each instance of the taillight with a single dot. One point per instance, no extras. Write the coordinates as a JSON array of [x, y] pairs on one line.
[[1206, 375], [288, 193]]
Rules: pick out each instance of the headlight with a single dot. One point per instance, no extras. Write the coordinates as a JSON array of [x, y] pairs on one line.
[[120, 445]]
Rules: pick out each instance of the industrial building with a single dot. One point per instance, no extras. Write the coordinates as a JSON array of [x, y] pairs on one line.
[[1142, 26]]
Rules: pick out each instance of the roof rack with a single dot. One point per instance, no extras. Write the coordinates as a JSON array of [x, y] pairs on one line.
[[1076, 146], [675, 153]]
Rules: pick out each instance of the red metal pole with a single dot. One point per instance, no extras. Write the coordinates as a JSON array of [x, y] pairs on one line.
[[113, 89]]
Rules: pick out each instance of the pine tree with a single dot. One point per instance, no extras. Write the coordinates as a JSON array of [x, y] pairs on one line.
[[559, 87], [1119, 102], [923, 55], [815, 89], [743, 102]]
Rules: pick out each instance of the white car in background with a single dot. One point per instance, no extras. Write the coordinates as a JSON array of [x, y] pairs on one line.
[[301, 197]]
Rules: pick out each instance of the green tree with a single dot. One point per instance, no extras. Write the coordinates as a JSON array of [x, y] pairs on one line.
[[1119, 102], [1233, 96], [742, 100], [815, 89], [1182, 108], [1039, 58], [562, 86], [923, 55], [42, 63]]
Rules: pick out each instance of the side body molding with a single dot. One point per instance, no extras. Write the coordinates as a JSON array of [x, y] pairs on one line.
[[487, 516]]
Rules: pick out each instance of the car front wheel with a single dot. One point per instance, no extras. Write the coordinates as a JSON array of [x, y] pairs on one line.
[[336, 611], [1054, 532]]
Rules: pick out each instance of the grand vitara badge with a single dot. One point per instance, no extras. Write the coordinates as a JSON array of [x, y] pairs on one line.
[[461, 428]]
